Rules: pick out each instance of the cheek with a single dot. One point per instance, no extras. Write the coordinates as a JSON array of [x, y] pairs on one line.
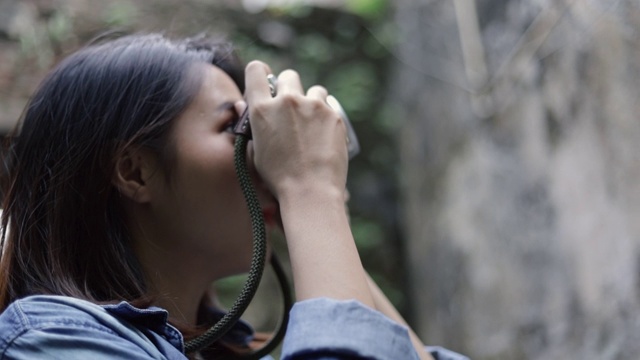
[[210, 188], [214, 212], [206, 161], [213, 183]]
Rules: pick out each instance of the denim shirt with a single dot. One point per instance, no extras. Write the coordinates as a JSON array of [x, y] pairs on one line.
[[58, 327]]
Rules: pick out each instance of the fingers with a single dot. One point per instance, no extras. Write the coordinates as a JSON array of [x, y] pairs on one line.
[[257, 87], [287, 86], [240, 107], [296, 134], [289, 83], [317, 92]]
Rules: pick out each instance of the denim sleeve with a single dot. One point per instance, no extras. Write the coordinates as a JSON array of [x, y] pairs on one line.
[[336, 330], [440, 353], [53, 329], [70, 343]]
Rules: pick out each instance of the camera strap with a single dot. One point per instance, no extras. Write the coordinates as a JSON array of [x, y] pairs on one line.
[[258, 260]]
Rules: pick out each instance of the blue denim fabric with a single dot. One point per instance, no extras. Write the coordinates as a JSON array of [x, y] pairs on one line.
[[57, 327], [325, 329]]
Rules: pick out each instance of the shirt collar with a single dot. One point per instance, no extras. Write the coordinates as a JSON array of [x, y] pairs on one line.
[[156, 320]]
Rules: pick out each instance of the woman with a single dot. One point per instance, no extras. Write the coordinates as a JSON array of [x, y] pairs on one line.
[[122, 207]]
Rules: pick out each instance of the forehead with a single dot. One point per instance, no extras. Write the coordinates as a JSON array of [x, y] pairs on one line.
[[216, 86]]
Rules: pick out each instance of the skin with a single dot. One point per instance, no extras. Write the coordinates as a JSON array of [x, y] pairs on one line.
[[301, 154], [195, 229]]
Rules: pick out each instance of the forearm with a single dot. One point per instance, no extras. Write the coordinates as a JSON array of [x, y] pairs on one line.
[[385, 306], [324, 258]]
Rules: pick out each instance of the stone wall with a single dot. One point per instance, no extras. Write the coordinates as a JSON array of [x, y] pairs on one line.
[[520, 167]]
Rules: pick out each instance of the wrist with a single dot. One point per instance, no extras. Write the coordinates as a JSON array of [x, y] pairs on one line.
[[324, 259], [294, 194]]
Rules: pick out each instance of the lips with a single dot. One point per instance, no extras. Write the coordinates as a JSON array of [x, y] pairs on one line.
[[268, 214], [270, 207], [271, 215]]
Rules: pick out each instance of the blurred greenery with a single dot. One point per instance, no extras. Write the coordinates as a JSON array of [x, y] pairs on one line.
[[120, 13], [59, 27], [372, 9]]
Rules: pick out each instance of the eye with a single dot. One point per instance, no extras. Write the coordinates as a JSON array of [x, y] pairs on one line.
[[231, 122], [229, 127]]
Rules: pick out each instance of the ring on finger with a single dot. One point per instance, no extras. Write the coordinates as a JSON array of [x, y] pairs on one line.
[[273, 84]]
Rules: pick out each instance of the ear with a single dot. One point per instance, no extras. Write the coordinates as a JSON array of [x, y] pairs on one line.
[[133, 172]]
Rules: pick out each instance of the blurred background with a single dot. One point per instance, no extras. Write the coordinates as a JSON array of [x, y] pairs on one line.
[[497, 193]]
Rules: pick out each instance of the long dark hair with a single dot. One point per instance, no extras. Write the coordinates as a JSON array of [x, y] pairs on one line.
[[64, 228]]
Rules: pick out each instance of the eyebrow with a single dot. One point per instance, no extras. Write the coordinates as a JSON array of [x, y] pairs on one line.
[[222, 108], [228, 105]]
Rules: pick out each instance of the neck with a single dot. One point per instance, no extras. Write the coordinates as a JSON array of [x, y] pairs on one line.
[[181, 301], [177, 280], [178, 276]]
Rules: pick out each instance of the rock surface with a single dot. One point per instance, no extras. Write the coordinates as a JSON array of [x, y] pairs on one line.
[[520, 168]]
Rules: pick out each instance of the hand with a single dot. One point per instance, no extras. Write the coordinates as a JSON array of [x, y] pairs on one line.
[[298, 140], [300, 152]]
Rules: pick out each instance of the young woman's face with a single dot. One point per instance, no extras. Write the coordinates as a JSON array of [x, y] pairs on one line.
[[201, 209]]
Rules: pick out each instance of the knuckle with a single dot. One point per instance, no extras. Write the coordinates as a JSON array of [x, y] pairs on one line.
[[260, 108], [318, 104], [290, 99], [318, 91]]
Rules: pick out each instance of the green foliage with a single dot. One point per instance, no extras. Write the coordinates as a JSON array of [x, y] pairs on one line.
[[372, 9], [313, 48], [368, 234], [231, 283], [120, 13], [229, 288], [59, 27], [393, 292], [35, 46], [354, 84]]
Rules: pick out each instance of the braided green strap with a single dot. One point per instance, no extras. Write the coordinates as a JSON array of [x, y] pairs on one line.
[[257, 262]]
